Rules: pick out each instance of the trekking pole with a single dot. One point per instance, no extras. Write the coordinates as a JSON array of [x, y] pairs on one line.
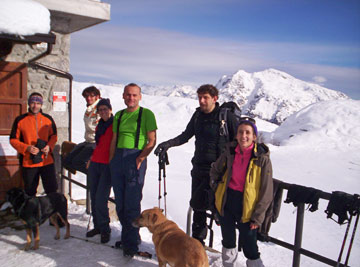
[[163, 160], [344, 241], [356, 210], [351, 240], [165, 193], [159, 183]]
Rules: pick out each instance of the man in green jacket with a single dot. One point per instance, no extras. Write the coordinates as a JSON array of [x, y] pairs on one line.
[[134, 138]]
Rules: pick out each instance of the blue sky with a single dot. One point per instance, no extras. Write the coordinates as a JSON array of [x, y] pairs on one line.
[[167, 42]]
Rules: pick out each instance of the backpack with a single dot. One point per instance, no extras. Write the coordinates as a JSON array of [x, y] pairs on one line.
[[224, 109]]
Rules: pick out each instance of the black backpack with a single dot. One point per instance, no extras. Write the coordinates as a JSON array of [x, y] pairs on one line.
[[224, 109]]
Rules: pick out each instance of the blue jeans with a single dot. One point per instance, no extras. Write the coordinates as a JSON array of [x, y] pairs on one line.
[[128, 182], [100, 185]]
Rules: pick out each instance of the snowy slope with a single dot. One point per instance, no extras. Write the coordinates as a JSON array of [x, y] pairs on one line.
[[305, 159], [322, 125]]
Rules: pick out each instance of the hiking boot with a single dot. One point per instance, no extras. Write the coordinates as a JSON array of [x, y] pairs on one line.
[[128, 253], [229, 256], [254, 263], [119, 245], [105, 237], [93, 232]]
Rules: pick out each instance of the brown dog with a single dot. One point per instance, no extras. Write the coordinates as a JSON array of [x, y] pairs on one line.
[[172, 245]]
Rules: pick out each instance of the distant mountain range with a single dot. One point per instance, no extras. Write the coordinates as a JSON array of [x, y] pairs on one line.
[[271, 95]]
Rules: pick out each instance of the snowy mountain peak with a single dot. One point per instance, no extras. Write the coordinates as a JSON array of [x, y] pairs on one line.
[[271, 94]]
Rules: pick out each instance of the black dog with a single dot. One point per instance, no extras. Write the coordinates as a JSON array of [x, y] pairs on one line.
[[34, 211]]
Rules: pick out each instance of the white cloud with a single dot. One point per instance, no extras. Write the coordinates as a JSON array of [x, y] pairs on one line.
[[154, 56], [319, 79]]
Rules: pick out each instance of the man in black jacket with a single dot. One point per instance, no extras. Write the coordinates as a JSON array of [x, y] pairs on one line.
[[209, 143]]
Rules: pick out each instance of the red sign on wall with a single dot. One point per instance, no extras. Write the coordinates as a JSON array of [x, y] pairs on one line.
[[59, 101]]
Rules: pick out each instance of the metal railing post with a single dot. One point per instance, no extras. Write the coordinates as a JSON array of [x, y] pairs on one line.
[[298, 234], [188, 221], [88, 211]]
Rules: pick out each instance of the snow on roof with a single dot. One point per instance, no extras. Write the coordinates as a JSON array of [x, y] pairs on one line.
[[23, 17]]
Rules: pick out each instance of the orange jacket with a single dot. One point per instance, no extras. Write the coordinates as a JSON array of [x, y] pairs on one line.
[[27, 128]]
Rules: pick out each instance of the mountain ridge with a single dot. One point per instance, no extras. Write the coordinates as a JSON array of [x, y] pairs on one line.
[[271, 94]]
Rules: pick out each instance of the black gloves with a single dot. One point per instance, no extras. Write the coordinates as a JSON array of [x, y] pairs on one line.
[[40, 144], [161, 149]]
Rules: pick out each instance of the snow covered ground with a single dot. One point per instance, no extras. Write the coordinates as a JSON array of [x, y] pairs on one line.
[[323, 153]]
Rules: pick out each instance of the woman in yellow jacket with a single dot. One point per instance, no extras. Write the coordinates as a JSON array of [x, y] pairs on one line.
[[242, 181]]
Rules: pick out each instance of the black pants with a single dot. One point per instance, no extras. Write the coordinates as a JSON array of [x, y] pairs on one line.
[[79, 156], [232, 220], [100, 186], [199, 202], [31, 179]]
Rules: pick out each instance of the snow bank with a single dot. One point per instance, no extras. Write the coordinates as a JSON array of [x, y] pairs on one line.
[[329, 124], [23, 17]]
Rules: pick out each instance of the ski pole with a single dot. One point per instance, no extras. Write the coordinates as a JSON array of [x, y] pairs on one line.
[[351, 240], [356, 210], [159, 184], [344, 241], [165, 193], [163, 160], [166, 162]]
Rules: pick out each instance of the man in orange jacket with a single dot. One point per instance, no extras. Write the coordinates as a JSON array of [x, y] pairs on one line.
[[34, 136]]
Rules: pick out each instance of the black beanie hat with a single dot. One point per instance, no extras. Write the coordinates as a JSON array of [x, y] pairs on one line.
[[104, 102]]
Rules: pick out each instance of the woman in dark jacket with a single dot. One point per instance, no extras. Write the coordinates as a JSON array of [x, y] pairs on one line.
[[99, 173], [242, 181]]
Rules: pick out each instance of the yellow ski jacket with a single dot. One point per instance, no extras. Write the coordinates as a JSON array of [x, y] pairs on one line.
[[258, 190]]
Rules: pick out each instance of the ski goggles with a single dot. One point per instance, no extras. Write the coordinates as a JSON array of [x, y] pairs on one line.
[[247, 119]]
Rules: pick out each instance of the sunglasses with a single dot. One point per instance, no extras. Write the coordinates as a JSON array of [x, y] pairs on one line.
[[242, 119]]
